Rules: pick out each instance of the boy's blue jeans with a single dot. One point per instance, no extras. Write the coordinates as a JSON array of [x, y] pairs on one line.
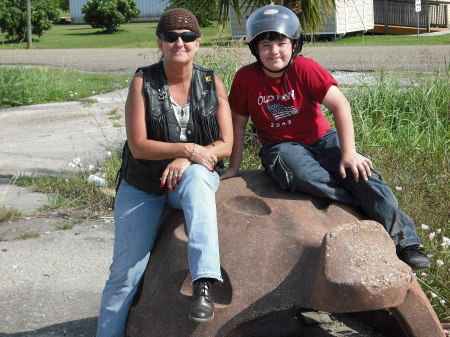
[[314, 169], [138, 216]]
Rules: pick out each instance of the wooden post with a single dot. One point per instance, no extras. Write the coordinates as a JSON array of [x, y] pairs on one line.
[[29, 42]]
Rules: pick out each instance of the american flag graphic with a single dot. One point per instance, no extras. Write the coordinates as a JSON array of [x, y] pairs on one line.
[[279, 111]]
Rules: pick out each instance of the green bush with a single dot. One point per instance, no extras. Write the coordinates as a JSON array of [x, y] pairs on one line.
[[109, 14], [13, 17]]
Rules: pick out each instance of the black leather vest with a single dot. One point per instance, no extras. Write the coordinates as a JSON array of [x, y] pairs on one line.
[[162, 124]]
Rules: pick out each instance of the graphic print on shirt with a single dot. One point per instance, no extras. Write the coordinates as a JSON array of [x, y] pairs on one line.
[[277, 110]]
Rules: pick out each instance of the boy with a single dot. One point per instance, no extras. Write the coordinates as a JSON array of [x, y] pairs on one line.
[[282, 93]]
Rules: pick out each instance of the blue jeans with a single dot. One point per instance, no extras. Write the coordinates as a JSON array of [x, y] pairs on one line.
[[314, 169], [138, 217]]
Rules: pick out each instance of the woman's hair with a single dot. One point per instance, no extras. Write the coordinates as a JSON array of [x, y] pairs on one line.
[[177, 18]]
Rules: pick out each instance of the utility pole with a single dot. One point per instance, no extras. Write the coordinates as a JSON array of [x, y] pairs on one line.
[[29, 43]]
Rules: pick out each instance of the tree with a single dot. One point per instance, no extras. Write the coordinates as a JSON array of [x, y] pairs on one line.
[[204, 14], [109, 14], [310, 12], [13, 17], [62, 4]]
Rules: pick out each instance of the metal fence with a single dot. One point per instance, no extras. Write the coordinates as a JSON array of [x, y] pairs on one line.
[[403, 13]]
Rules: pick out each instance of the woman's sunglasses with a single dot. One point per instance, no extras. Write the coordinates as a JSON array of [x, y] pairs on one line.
[[173, 36]]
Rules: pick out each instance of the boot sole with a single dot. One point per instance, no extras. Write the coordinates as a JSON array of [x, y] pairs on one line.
[[201, 320]]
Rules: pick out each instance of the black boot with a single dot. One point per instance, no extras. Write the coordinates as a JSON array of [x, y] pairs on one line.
[[202, 306]]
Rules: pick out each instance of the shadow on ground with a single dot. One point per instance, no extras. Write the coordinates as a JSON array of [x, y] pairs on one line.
[[79, 328]]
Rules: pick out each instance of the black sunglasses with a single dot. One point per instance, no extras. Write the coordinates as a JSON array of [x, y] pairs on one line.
[[173, 36]]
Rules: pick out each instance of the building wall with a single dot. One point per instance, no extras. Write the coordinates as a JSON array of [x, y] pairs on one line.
[[354, 16], [350, 16], [151, 10]]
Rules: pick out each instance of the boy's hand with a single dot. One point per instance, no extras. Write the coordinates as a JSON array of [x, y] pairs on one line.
[[358, 164], [228, 173]]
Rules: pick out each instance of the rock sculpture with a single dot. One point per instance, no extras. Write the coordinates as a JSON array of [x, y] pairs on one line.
[[280, 251]]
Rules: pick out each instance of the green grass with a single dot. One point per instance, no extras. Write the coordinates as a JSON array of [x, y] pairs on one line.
[[142, 35], [387, 40], [21, 85], [132, 35]]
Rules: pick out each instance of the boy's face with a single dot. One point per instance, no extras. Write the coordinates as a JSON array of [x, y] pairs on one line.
[[275, 55]]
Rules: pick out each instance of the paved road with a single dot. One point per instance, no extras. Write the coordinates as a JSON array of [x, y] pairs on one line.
[[366, 58]]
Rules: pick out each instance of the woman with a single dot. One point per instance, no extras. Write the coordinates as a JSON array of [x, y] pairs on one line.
[[178, 125]]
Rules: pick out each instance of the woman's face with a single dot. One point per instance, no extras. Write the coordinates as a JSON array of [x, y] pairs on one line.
[[275, 55], [177, 46]]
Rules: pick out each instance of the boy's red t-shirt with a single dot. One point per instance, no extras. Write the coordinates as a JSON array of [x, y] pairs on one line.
[[285, 109]]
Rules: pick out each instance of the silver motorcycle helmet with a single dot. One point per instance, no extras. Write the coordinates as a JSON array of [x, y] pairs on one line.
[[274, 18]]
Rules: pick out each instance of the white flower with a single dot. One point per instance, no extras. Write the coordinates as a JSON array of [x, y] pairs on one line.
[[109, 153], [398, 188], [446, 241], [424, 226], [442, 301], [91, 167], [430, 256], [431, 236], [438, 230], [423, 274], [440, 262], [433, 294], [93, 91]]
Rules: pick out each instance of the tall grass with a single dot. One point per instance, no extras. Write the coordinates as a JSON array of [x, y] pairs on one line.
[[408, 116]]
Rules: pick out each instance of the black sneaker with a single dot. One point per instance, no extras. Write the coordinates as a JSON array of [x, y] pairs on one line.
[[414, 257]]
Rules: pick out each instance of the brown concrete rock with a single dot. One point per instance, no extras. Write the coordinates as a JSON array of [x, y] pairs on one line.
[[279, 251]]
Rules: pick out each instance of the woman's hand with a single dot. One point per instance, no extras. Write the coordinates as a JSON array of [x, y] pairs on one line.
[[358, 164], [174, 172], [201, 155]]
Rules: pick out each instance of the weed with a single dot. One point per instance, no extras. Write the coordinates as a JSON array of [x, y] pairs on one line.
[[69, 225], [7, 213], [29, 235]]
